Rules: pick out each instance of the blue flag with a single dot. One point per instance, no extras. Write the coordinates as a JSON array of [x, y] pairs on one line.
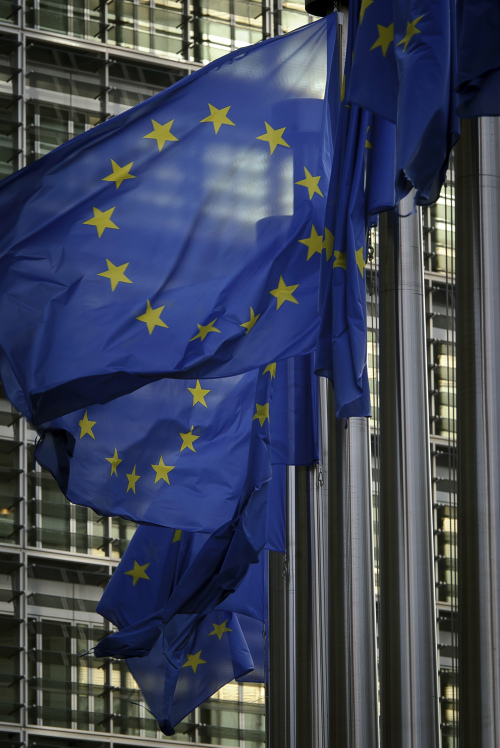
[[222, 646], [180, 238], [172, 453], [342, 341], [404, 70], [221, 563], [478, 78], [216, 653], [294, 412]]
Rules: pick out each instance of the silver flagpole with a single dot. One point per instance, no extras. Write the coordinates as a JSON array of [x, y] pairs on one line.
[[407, 622], [298, 627], [478, 435], [326, 653]]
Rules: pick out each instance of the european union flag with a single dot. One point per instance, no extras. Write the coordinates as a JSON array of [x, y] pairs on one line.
[[294, 412], [172, 453], [220, 564], [222, 645], [342, 340], [404, 70], [180, 238], [478, 77]]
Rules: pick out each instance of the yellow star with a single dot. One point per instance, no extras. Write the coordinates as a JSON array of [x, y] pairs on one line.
[[138, 572], [86, 426], [411, 30], [284, 293], [119, 174], [188, 440], [161, 133], [385, 37], [177, 536], [220, 629], [203, 330], [270, 369], [152, 317], [194, 660], [328, 243], [273, 137], [114, 462], [132, 480], [367, 142], [261, 413], [364, 5], [251, 322], [360, 261], [311, 183], [116, 274], [218, 117], [314, 243], [162, 471], [340, 260], [102, 220], [198, 394]]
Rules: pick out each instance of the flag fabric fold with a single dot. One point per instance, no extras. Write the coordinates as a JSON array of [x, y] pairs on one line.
[[173, 453], [342, 338], [220, 564], [180, 238], [404, 69], [226, 643], [478, 76]]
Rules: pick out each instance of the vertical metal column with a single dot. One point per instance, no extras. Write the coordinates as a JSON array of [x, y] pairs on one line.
[[278, 688], [297, 690], [478, 437], [322, 629], [353, 676], [407, 622]]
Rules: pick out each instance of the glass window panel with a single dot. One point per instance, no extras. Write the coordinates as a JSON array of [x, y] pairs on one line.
[[243, 37], [293, 18], [8, 11], [53, 16]]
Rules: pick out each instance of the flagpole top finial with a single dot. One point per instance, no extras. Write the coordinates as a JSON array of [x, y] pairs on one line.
[[324, 7]]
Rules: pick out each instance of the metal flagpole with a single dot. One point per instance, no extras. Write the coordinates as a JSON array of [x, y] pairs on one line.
[[326, 653], [478, 432], [407, 622]]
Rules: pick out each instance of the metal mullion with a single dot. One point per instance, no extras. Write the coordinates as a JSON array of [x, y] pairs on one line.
[[135, 42], [39, 670], [232, 24], [21, 601], [74, 674], [69, 8]]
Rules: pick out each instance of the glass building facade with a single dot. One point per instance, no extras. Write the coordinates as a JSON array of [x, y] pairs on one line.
[[65, 67]]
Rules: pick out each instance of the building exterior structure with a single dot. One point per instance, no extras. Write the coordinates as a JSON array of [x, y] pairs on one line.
[[65, 67]]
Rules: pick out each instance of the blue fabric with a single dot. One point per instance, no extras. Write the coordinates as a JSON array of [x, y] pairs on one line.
[[208, 664], [175, 678], [478, 78], [199, 430], [342, 339], [110, 457], [221, 563], [176, 239], [294, 412], [380, 166], [404, 70]]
